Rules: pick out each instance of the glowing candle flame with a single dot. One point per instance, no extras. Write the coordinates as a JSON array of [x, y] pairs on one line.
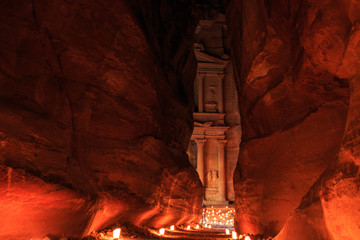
[[116, 233], [197, 227], [162, 231], [209, 226], [188, 227], [172, 228], [234, 235], [247, 238], [227, 231]]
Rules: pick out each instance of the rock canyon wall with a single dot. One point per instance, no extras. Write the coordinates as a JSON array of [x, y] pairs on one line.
[[96, 114], [296, 66]]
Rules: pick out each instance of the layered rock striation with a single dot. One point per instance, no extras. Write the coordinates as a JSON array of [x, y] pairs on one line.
[[296, 66], [96, 114]]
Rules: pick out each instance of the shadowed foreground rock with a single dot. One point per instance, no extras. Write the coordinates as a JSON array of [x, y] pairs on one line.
[[94, 125], [298, 163]]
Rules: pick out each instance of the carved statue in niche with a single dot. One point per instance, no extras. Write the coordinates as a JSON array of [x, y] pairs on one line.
[[211, 103], [212, 94], [212, 178]]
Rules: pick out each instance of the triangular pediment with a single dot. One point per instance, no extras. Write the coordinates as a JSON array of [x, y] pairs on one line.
[[199, 124], [206, 58]]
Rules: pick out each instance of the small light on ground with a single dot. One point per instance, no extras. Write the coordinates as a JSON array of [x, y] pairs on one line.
[[172, 228], [234, 235], [247, 238], [162, 231], [197, 227], [116, 233], [227, 231], [188, 227]]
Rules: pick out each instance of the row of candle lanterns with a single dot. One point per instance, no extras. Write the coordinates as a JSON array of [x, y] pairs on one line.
[[227, 232], [162, 230], [210, 216], [172, 228], [117, 232], [218, 216], [235, 236]]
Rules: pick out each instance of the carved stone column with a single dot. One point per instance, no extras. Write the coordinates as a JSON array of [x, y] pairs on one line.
[[222, 170], [200, 158], [221, 93], [201, 93]]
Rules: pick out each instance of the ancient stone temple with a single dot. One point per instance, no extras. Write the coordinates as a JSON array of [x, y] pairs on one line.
[[214, 145], [126, 114]]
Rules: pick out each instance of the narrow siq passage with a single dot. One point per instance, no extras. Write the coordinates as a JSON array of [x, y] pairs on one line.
[[99, 100]]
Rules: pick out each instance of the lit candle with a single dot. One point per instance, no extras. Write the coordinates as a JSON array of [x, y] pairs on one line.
[[172, 228], [247, 238], [197, 227], [162, 231], [227, 231], [234, 235], [116, 233], [188, 227]]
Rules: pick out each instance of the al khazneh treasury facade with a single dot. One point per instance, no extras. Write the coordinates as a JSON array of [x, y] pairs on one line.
[[214, 145]]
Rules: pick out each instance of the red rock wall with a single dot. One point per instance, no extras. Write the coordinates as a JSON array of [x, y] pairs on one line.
[[293, 63], [96, 114]]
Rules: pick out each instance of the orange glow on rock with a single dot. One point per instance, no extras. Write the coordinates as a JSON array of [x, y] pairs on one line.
[[146, 215], [162, 220]]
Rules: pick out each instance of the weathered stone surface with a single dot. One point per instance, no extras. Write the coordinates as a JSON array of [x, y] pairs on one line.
[[293, 63], [214, 146], [96, 114]]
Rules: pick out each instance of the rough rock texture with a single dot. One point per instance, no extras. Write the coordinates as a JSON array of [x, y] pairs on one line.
[[96, 114], [297, 171], [233, 135]]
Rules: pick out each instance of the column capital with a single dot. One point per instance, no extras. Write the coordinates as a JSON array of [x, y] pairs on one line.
[[222, 141], [200, 141]]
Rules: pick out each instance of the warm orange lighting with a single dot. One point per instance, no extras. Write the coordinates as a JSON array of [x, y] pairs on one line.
[[247, 238], [209, 226], [162, 231], [234, 235], [227, 231], [188, 227], [116, 233], [197, 227], [172, 228]]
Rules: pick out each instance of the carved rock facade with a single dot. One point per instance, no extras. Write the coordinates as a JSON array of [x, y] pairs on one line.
[[215, 141]]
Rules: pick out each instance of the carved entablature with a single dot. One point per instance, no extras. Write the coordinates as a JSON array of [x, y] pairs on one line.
[[207, 130]]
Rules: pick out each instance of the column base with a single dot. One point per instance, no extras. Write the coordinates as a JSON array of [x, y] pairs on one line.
[[215, 203]]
